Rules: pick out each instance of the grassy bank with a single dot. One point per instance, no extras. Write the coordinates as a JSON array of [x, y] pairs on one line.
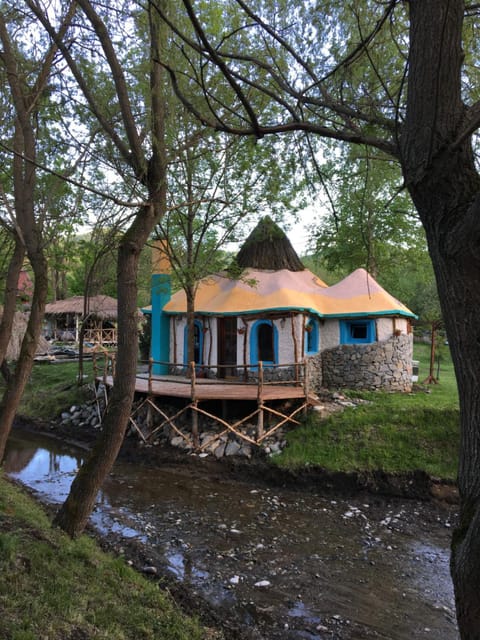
[[392, 432], [53, 387], [53, 587]]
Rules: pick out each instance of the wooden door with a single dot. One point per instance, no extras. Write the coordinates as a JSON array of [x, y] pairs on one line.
[[227, 346]]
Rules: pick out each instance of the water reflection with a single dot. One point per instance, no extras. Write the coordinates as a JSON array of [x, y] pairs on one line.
[[47, 468], [333, 568]]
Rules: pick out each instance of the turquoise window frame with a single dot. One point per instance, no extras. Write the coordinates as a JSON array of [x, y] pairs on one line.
[[347, 328], [254, 343], [198, 324], [312, 337]]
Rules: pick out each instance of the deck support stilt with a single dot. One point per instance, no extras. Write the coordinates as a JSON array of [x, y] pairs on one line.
[[268, 420], [260, 401], [260, 422], [195, 439]]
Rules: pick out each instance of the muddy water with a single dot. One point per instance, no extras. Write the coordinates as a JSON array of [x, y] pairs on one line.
[[274, 563]]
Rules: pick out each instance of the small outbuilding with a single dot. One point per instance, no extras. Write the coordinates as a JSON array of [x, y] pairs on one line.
[[275, 312], [63, 319]]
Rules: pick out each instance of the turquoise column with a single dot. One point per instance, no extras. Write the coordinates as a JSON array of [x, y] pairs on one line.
[[160, 340]]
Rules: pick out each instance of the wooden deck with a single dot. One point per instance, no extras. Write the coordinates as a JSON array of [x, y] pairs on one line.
[[176, 387], [196, 391]]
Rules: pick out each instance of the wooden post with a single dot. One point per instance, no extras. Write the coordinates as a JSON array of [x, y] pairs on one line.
[[193, 394], [193, 386], [245, 335], [306, 383], [295, 346], [149, 419], [150, 366], [260, 401]]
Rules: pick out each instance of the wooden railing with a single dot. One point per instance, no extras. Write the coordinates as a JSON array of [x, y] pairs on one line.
[[260, 375], [190, 377], [101, 336]]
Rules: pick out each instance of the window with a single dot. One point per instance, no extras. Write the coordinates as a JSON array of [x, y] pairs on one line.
[[357, 331], [312, 336], [264, 342]]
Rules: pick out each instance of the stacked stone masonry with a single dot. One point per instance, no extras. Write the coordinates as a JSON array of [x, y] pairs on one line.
[[385, 365]]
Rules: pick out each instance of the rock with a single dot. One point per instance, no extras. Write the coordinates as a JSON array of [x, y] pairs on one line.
[[246, 451], [234, 579], [177, 441], [263, 584], [275, 447], [220, 450], [232, 448], [150, 570]]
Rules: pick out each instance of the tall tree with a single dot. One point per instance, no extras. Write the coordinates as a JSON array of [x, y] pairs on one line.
[[371, 222], [217, 184], [399, 77], [133, 127], [28, 74]]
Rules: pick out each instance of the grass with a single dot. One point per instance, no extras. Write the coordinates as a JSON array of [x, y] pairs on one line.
[[392, 432], [53, 387], [57, 588]]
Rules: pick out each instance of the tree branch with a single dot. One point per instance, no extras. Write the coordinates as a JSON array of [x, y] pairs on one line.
[[470, 124], [347, 136]]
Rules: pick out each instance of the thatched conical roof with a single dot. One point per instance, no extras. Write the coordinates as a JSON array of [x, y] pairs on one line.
[[267, 247]]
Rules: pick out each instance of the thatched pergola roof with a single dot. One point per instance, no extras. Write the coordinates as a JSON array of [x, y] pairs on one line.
[[267, 247], [103, 307]]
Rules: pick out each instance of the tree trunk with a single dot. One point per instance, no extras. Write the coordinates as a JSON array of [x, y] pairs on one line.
[[74, 513], [24, 186], [190, 295], [10, 296], [445, 187], [17, 383], [460, 296]]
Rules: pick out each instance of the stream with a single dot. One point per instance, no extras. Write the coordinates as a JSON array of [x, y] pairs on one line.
[[273, 563]]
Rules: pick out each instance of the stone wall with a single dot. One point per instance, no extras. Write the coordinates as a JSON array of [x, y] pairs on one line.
[[314, 371], [385, 365]]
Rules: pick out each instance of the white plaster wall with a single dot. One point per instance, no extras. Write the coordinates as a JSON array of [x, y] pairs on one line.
[[286, 349], [386, 326], [210, 337], [177, 325], [329, 334]]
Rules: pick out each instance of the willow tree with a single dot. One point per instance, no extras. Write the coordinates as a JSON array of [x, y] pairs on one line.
[[27, 67], [401, 78], [131, 121]]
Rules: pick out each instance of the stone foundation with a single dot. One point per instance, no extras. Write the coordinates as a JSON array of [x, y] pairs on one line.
[[376, 366]]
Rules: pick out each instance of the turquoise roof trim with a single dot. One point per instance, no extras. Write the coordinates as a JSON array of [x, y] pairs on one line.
[[360, 314]]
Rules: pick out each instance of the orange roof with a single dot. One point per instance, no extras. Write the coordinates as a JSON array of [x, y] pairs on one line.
[[261, 291]]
